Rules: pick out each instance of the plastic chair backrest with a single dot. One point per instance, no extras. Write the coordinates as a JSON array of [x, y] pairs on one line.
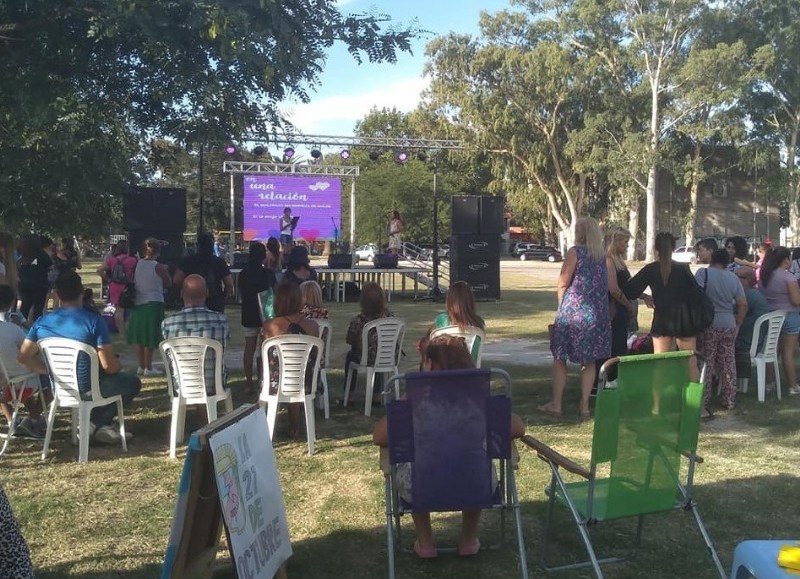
[[185, 359], [65, 359], [474, 338], [769, 349], [450, 427], [642, 427], [326, 335], [295, 353], [390, 333]]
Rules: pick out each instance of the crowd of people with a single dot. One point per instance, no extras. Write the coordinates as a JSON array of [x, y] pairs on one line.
[[597, 301]]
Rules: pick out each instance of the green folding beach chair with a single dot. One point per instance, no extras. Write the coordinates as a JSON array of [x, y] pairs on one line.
[[643, 429]]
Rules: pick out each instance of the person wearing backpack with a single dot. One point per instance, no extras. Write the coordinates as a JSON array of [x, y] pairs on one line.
[[211, 268], [117, 272]]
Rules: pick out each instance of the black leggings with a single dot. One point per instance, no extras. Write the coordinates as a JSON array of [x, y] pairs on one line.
[[32, 300]]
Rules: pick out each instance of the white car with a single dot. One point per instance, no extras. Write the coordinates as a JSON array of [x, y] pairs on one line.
[[366, 252], [684, 254]]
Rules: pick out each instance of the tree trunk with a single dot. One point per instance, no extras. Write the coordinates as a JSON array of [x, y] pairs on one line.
[[794, 184], [651, 198], [633, 227], [691, 218]]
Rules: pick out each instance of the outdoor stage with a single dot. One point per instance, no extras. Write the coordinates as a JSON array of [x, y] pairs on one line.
[[333, 280]]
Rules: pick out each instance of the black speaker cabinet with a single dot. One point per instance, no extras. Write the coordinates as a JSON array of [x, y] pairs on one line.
[[385, 261], [465, 214], [492, 215], [341, 260], [475, 259], [154, 209]]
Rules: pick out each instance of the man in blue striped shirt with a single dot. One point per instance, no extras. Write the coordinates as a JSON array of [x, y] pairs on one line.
[[195, 319]]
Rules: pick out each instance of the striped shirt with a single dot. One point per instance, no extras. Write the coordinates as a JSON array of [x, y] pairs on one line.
[[201, 322]]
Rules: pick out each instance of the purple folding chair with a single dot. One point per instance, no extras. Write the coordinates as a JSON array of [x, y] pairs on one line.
[[450, 428]]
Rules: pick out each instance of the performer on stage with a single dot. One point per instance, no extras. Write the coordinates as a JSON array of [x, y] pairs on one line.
[[286, 228], [395, 232]]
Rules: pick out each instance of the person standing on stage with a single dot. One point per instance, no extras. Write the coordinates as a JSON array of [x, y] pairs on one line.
[[395, 232], [286, 230]]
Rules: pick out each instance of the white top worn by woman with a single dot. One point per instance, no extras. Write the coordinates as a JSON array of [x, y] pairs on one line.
[[149, 286]]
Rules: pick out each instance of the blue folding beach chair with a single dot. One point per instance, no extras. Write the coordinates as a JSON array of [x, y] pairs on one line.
[[455, 434]]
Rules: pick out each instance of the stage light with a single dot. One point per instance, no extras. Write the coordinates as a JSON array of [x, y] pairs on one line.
[[288, 152], [315, 153], [259, 150], [422, 156], [230, 149], [401, 157], [374, 155], [345, 154]]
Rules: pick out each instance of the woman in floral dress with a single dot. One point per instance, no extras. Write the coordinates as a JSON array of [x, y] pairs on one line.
[[582, 329]]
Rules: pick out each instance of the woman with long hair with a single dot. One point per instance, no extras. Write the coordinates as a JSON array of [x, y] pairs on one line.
[[32, 282], [621, 309], [396, 226], [274, 263], [288, 320], [117, 272], [670, 283], [144, 325], [459, 311], [373, 307], [782, 293], [582, 329], [253, 279]]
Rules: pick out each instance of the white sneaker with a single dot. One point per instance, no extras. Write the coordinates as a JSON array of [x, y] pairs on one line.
[[153, 372], [107, 435], [140, 371]]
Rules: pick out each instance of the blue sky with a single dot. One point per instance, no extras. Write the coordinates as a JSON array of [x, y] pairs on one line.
[[347, 91]]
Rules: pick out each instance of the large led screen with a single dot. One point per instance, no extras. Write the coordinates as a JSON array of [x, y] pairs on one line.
[[315, 199]]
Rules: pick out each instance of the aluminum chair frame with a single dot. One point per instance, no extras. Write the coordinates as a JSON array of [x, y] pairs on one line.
[[294, 352], [61, 357], [597, 490], [390, 335], [507, 497], [186, 355], [326, 335], [470, 334], [767, 354], [16, 388]]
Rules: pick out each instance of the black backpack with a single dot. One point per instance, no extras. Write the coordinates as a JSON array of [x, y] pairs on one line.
[[118, 274]]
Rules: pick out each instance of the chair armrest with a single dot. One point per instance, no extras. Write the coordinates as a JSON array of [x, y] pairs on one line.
[[383, 459], [552, 456]]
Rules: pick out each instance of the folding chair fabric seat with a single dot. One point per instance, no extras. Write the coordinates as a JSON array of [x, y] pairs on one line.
[[450, 428], [642, 429]]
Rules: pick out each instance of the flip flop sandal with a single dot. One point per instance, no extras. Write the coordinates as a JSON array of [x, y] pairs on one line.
[[425, 552], [548, 410], [469, 549]]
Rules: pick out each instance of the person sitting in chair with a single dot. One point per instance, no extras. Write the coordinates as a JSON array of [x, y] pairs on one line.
[[441, 353], [73, 322]]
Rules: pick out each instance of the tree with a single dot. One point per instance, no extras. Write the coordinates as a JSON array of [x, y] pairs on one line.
[[520, 94], [198, 73]]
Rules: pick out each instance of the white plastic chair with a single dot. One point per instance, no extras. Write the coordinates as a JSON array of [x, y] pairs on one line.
[[390, 334], [16, 387], [767, 353], [474, 338], [325, 333], [184, 359], [61, 356], [294, 355]]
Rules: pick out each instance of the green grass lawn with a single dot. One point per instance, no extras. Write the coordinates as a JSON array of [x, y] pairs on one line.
[[111, 517]]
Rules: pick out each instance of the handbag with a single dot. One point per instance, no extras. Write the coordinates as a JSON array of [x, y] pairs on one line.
[[701, 309], [127, 298]]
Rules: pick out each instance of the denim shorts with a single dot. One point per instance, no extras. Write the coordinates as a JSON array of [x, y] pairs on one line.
[[791, 325]]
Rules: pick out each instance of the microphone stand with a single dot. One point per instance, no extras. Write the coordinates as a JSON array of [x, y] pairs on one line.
[[335, 236]]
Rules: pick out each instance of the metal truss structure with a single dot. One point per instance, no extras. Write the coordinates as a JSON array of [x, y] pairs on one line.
[[362, 142], [259, 167]]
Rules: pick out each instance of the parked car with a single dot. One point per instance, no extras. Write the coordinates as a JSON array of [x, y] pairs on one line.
[[426, 251], [518, 248], [366, 252], [684, 254], [540, 252]]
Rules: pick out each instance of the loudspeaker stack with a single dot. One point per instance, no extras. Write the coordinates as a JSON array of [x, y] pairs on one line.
[[155, 212], [477, 223]]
